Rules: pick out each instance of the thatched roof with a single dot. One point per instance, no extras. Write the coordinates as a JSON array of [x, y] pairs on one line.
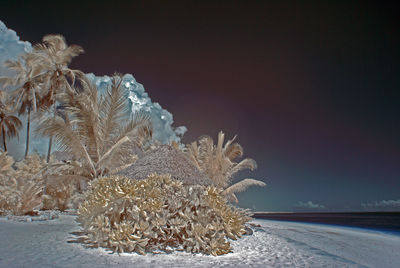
[[166, 160]]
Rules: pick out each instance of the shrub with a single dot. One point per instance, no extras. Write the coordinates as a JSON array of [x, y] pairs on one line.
[[19, 193], [6, 169], [59, 189], [20, 198], [28, 187], [158, 213]]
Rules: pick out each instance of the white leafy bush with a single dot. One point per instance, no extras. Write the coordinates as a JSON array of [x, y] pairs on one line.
[[20, 192], [158, 213]]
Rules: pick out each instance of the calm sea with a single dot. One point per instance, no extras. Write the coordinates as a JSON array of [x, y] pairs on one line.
[[382, 221]]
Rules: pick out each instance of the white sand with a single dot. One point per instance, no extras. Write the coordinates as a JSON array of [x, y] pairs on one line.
[[276, 244]]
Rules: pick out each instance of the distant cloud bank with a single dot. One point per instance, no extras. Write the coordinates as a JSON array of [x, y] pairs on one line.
[[384, 205], [308, 206]]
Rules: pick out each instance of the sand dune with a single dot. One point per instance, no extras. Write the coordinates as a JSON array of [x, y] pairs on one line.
[[275, 244]]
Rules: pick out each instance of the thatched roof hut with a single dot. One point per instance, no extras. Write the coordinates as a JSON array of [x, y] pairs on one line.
[[165, 159]]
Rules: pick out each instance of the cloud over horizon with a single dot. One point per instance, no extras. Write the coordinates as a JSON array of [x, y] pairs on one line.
[[382, 205], [308, 206]]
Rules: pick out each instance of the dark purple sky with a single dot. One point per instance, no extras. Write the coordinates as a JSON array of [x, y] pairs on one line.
[[311, 89]]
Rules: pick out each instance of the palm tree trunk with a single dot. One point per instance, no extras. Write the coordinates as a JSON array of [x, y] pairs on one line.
[[4, 139], [28, 123], [49, 150], [51, 138]]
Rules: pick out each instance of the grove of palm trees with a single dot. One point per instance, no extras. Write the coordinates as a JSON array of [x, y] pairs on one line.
[[131, 193]]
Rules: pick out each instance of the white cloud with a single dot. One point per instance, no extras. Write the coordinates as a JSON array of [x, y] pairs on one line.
[[309, 205], [10, 46], [382, 205]]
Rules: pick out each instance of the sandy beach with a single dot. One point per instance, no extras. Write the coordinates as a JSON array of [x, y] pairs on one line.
[[274, 244]]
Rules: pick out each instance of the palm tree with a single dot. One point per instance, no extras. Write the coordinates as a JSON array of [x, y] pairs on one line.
[[92, 127], [56, 55], [28, 69], [217, 161], [9, 124]]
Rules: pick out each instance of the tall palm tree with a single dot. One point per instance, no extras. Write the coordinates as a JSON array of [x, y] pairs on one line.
[[217, 161], [27, 68], [56, 55], [95, 129], [9, 124]]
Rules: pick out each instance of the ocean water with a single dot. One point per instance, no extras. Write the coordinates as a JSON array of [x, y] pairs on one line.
[[379, 221]]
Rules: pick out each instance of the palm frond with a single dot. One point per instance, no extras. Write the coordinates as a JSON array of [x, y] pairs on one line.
[[58, 50], [220, 142], [113, 109], [71, 76], [4, 99], [133, 135], [217, 160], [14, 65], [13, 124], [71, 52], [243, 185], [68, 140], [6, 81], [83, 108], [247, 163], [39, 47], [55, 41], [194, 154], [112, 150], [138, 129], [206, 149], [233, 151]]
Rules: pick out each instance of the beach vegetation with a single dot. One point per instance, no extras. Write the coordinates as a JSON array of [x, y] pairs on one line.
[[9, 123], [95, 130], [27, 80], [55, 56], [158, 213], [131, 193], [217, 161], [20, 189]]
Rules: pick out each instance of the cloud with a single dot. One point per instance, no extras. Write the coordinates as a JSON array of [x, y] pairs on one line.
[[309, 205], [382, 205], [10, 47]]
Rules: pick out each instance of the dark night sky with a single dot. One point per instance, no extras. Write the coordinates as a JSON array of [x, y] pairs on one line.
[[311, 88]]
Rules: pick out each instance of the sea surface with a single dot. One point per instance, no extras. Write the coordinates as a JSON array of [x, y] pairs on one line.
[[380, 221]]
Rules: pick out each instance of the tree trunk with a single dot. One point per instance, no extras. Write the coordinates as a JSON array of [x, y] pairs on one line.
[[51, 138], [4, 140], [49, 150], [28, 123]]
